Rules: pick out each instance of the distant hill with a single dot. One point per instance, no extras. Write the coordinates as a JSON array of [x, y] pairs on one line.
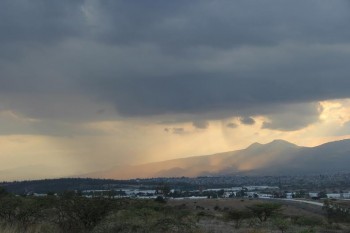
[[275, 158]]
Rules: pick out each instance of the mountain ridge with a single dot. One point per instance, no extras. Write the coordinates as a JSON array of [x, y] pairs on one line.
[[275, 157]]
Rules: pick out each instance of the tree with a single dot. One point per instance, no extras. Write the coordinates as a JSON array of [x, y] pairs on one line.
[[21, 211], [160, 199], [322, 194], [30, 212], [336, 212], [9, 206], [242, 192], [3, 192], [163, 189], [299, 194], [221, 192], [263, 211], [79, 214], [281, 224], [238, 216]]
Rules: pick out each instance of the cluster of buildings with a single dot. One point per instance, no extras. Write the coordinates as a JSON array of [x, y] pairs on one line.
[[263, 192]]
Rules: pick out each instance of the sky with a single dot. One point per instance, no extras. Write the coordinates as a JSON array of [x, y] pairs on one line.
[[89, 85]]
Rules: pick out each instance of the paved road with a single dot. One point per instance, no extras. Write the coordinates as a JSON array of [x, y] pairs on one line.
[[304, 201]]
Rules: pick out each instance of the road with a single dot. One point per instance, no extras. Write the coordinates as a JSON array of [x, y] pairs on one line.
[[304, 201]]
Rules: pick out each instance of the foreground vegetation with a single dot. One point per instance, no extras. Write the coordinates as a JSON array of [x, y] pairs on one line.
[[69, 212]]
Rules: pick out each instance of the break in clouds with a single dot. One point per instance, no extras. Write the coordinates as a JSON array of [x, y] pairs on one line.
[[194, 61]]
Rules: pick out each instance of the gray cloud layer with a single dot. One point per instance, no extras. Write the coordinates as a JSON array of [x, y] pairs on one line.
[[293, 117], [147, 58]]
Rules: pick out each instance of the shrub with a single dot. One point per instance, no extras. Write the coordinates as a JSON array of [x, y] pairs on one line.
[[263, 211], [238, 216], [281, 224], [160, 199], [79, 214], [308, 230]]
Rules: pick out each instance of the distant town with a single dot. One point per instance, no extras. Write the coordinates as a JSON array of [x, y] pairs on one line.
[[321, 186]]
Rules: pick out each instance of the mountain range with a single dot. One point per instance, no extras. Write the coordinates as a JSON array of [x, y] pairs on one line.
[[278, 157]]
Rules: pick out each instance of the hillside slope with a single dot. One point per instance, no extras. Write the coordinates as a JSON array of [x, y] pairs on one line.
[[275, 158]]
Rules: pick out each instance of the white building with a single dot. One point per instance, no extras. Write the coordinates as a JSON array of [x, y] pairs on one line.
[[333, 195], [264, 195], [313, 195]]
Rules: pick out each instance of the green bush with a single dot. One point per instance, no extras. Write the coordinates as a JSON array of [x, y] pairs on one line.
[[282, 224]]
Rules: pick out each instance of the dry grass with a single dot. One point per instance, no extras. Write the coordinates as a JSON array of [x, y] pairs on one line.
[[289, 208], [206, 214], [212, 221], [39, 228]]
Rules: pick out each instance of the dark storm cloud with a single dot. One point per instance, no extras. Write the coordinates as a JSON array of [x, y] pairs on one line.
[[247, 120], [293, 117], [208, 59], [27, 29], [265, 30], [231, 125], [214, 92], [223, 24], [39, 22], [200, 124], [175, 130]]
